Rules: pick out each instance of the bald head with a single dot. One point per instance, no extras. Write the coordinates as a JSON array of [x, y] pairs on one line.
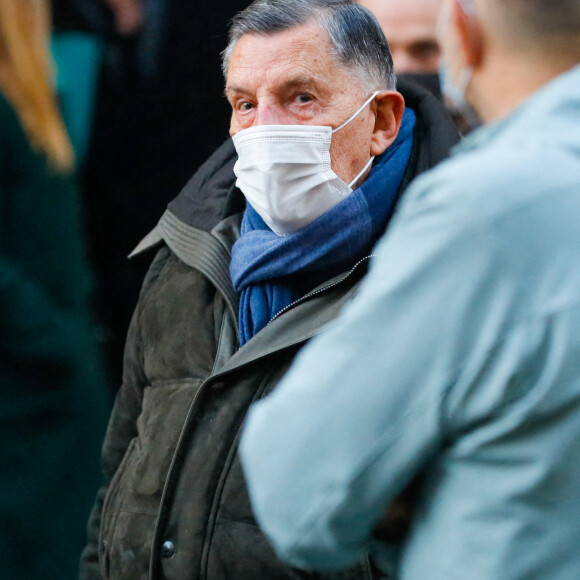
[[410, 27], [548, 26], [499, 52]]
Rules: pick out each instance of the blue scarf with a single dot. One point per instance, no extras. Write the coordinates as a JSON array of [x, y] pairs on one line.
[[270, 272]]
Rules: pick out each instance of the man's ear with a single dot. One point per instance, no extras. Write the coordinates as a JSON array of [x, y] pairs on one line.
[[389, 107], [469, 33]]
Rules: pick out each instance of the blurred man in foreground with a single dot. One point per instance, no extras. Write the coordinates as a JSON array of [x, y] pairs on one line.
[[459, 362]]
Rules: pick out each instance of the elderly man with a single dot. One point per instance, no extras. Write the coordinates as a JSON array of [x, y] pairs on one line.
[[259, 252], [460, 362]]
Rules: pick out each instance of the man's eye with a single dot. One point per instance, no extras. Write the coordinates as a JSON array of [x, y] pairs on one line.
[[303, 98], [244, 106], [425, 50]]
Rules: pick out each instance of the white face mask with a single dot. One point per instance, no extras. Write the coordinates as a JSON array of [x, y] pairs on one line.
[[284, 172], [455, 93]]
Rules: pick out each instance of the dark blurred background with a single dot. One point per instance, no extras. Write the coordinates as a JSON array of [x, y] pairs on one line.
[[159, 112]]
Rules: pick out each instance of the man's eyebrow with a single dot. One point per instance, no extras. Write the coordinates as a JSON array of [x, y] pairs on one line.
[[234, 89], [296, 82], [422, 44], [299, 82]]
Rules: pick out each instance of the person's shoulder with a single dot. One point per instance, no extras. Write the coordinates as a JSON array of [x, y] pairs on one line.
[[8, 116], [457, 187], [13, 141], [11, 128], [5, 106], [492, 179]]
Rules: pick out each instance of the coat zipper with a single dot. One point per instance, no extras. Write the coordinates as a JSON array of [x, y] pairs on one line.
[[154, 547], [321, 290]]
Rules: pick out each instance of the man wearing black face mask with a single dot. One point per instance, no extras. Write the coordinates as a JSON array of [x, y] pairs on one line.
[[259, 252], [411, 29]]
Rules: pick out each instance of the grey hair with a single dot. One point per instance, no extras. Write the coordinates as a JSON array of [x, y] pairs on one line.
[[356, 38]]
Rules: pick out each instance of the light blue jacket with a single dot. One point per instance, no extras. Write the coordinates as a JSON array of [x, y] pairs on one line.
[[459, 358]]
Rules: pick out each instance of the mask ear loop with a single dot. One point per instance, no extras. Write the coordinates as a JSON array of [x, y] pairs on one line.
[[361, 173], [464, 79], [358, 112], [368, 164]]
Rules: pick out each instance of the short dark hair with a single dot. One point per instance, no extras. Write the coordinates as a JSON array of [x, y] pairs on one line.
[[356, 38]]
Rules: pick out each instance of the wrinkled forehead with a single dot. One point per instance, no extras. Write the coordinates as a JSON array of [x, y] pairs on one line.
[[290, 56], [308, 37]]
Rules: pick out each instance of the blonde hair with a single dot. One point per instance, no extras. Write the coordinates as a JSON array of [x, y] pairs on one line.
[[27, 81]]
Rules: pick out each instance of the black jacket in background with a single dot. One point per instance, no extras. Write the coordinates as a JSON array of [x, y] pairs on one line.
[[81, 15]]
